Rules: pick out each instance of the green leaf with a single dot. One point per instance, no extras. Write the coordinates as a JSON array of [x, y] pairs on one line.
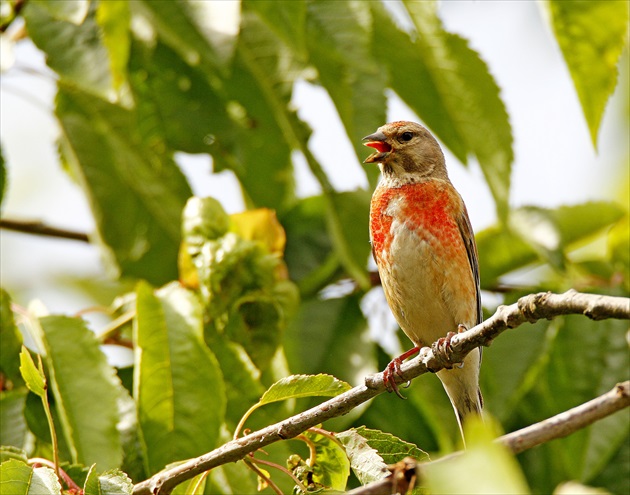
[[259, 92], [85, 391], [539, 234], [242, 378], [592, 36], [330, 335], [309, 252], [286, 19], [113, 17], [331, 467], [3, 179], [68, 34], [11, 339], [504, 382], [391, 448], [453, 92], [339, 43], [365, 461], [177, 99], [578, 222], [347, 216], [300, 386], [179, 417], [484, 467], [199, 31], [113, 482], [204, 219], [74, 11], [33, 375], [135, 190], [13, 427], [9, 452], [17, 478]]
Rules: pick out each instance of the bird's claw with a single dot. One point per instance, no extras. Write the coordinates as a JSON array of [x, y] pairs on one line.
[[393, 369]]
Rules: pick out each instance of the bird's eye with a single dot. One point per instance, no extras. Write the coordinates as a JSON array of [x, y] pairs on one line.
[[405, 136]]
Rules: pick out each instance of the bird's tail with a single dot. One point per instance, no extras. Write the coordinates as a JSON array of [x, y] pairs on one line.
[[462, 387]]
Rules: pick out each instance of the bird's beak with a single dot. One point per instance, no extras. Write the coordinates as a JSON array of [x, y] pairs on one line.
[[378, 142]]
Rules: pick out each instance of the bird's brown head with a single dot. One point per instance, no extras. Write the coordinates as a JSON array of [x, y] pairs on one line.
[[406, 151]]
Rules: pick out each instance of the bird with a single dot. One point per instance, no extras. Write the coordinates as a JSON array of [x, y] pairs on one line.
[[424, 247]]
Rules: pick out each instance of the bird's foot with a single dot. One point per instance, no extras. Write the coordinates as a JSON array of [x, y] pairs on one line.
[[393, 370], [442, 348]]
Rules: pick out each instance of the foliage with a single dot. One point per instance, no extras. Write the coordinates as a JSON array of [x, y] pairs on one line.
[[234, 312]]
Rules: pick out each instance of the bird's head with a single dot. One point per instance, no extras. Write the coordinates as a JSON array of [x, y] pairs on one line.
[[406, 151]]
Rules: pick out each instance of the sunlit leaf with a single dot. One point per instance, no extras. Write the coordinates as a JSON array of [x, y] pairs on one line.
[[55, 28], [299, 386], [331, 466], [85, 391], [33, 375], [113, 17], [365, 461], [179, 418], [391, 448], [592, 36], [452, 90], [18, 478], [113, 482], [197, 31], [260, 225]]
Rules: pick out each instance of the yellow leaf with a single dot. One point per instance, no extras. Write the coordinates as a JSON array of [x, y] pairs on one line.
[[260, 225]]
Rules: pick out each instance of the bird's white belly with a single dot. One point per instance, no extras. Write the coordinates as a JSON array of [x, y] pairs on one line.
[[416, 288]]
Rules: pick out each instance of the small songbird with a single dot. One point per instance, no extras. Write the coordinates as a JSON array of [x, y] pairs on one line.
[[426, 255]]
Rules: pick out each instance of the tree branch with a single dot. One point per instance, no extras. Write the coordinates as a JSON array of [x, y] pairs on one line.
[[527, 309], [38, 228], [567, 422]]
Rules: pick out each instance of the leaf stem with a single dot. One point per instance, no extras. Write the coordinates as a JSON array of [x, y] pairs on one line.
[[51, 424]]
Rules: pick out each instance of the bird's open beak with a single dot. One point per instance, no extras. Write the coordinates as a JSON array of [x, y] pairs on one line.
[[378, 142]]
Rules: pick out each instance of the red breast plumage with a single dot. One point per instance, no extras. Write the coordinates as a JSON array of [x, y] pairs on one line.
[[424, 248]]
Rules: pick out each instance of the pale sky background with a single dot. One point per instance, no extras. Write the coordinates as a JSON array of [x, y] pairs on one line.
[[555, 162]]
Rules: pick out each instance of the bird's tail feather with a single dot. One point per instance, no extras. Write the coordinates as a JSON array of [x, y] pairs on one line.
[[462, 387]]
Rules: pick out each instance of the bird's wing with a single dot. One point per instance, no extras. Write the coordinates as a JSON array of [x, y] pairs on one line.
[[468, 236]]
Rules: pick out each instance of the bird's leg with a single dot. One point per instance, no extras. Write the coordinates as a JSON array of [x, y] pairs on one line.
[[393, 369]]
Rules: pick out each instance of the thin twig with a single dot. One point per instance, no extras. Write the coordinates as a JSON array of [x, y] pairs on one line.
[[527, 309], [39, 228]]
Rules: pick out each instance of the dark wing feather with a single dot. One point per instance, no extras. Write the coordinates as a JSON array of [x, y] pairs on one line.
[[468, 236]]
